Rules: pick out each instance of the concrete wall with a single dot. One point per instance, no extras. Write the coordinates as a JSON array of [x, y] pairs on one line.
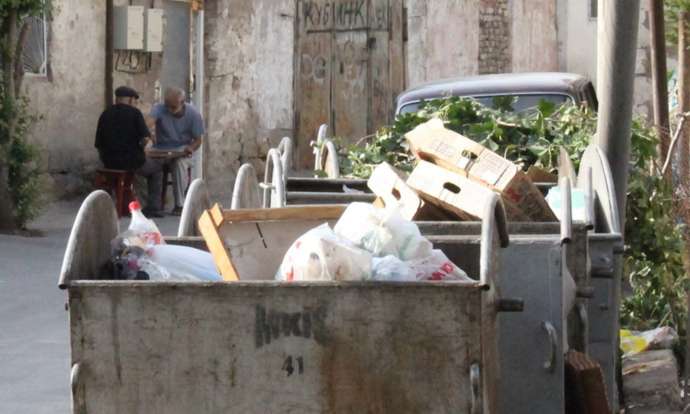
[[436, 49], [534, 36], [71, 98], [577, 38], [577, 42], [485, 36], [249, 80]]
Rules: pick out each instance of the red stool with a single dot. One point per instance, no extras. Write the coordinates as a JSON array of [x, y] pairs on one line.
[[117, 183]]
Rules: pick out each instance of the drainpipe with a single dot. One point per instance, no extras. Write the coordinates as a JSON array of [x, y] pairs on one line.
[[199, 87], [616, 53], [109, 50]]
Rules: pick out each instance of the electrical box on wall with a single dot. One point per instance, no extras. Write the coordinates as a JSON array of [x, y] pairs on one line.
[[128, 25], [153, 30]]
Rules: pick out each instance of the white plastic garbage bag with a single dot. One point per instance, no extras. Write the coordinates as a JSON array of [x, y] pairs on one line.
[[382, 232], [391, 269], [437, 266], [322, 255]]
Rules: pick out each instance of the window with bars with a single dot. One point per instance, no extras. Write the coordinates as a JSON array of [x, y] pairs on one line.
[[35, 51]]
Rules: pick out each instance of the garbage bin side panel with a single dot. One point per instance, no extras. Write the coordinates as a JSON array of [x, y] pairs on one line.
[[243, 348], [531, 270]]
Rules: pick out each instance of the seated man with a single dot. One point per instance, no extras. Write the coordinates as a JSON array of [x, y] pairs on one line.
[[179, 127], [120, 138]]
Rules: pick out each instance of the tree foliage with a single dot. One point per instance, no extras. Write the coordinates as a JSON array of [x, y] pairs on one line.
[[654, 243], [18, 159]]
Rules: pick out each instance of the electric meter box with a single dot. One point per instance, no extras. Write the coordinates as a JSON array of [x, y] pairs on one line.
[[128, 24], [153, 30]]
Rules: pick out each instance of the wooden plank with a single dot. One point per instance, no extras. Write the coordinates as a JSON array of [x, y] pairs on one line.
[[396, 50], [215, 244], [313, 73], [350, 85], [379, 89], [316, 212]]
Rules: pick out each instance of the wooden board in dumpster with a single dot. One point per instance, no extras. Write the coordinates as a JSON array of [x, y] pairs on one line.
[[389, 185], [454, 193], [434, 143], [247, 244]]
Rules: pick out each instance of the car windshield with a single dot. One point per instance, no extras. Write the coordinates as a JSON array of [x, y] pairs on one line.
[[514, 103]]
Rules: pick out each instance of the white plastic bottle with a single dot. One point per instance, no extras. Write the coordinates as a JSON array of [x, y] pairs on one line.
[[143, 228]]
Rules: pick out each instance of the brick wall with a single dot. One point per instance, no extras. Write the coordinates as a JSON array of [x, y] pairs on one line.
[[495, 38]]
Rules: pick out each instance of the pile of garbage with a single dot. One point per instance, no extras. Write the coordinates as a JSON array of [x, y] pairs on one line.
[[140, 253], [367, 243]]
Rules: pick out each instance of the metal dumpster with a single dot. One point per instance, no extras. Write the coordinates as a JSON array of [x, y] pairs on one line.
[[266, 347], [532, 343]]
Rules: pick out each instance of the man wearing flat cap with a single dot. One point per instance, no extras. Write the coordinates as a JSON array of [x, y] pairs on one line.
[[120, 139]]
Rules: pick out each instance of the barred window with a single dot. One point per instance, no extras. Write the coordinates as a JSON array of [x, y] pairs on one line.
[[35, 51]]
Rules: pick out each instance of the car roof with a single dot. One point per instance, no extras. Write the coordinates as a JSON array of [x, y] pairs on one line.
[[504, 83]]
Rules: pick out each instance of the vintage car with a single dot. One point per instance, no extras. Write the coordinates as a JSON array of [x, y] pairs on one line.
[[527, 89]]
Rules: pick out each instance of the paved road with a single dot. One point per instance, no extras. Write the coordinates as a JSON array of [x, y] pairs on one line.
[[34, 340]]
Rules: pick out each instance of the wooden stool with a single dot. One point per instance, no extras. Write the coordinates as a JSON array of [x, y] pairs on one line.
[[118, 183]]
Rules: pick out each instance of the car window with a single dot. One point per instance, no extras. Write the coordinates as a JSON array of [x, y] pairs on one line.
[[521, 102]]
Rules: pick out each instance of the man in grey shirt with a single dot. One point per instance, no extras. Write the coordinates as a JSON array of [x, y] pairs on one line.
[[179, 127]]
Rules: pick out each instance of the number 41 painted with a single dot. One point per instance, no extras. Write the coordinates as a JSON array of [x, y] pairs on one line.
[[290, 368]]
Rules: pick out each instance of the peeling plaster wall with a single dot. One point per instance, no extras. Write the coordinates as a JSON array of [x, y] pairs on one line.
[[71, 98], [451, 38], [249, 74], [535, 37], [436, 49], [577, 38]]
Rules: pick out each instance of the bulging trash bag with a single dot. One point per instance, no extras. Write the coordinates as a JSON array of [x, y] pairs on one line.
[[437, 266], [184, 263], [382, 232], [322, 255]]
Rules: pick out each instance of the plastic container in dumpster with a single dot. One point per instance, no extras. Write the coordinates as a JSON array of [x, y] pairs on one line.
[[257, 347]]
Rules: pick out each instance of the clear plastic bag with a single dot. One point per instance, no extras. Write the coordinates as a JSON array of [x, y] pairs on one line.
[[184, 263], [321, 255], [391, 269]]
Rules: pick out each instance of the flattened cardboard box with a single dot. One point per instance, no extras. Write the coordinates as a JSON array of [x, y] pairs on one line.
[[434, 143], [455, 192], [389, 185]]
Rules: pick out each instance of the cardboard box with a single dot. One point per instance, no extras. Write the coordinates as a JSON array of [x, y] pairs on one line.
[[454, 192], [389, 185], [433, 143]]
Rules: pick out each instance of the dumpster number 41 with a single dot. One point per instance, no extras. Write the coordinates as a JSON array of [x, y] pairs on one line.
[[289, 365]]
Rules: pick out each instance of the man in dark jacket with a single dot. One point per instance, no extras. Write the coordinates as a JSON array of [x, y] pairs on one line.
[[120, 140]]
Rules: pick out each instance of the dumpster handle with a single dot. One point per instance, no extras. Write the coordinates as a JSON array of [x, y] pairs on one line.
[[566, 210], [271, 185], [550, 362], [78, 402], [493, 220], [475, 385], [584, 322], [246, 189], [589, 199]]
